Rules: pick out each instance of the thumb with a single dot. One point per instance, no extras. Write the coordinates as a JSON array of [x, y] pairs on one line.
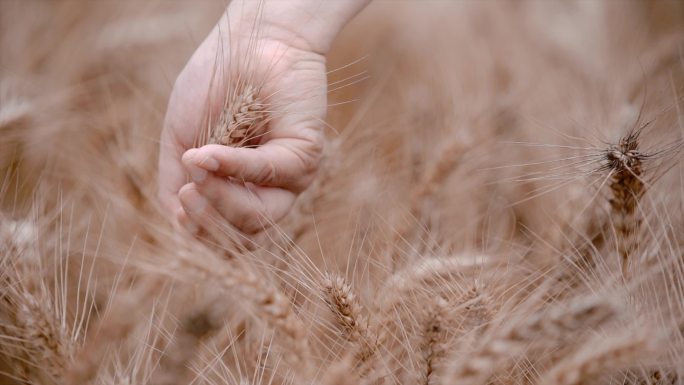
[[287, 163]]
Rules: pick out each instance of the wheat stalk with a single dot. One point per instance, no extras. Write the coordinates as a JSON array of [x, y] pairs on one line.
[[421, 320]]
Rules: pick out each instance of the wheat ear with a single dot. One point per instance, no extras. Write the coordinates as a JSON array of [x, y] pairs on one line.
[[349, 314], [242, 120], [431, 270], [433, 348], [599, 356], [269, 303], [35, 332], [625, 164], [552, 326]]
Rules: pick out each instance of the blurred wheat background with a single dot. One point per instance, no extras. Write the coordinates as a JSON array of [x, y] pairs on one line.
[[501, 202]]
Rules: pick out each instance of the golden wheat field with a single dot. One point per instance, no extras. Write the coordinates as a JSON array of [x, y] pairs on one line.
[[501, 201]]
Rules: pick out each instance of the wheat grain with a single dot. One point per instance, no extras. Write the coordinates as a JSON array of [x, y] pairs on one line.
[[241, 121]]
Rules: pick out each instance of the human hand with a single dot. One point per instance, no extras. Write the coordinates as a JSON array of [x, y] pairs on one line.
[[250, 187]]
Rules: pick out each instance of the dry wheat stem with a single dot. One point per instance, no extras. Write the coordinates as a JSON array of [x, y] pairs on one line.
[[185, 344]]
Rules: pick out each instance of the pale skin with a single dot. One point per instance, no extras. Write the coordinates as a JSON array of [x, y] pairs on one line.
[[252, 188]]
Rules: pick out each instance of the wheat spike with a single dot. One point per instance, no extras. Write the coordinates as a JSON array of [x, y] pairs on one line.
[[241, 120], [34, 333], [433, 348], [269, 303], [349, 314], [546, 327], [599, 356], [625, 164]]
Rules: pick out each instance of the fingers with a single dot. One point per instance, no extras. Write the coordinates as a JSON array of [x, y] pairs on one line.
[[249, 208], [188, 224], [286, 163], [251, 188], [198, 216]]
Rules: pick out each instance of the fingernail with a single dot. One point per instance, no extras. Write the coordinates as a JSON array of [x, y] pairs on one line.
[[196, 204], [210, 163], [198, 175]]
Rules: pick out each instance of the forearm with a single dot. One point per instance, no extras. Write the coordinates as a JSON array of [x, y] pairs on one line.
[[310, 24]]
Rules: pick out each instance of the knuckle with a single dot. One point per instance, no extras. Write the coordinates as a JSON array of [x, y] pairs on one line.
[[312, 152], [267, 174], [252, 218], [309, 162], [186, 190]]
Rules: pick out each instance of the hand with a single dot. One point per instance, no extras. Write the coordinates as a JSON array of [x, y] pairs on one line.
[[251, 188], [278, 47]]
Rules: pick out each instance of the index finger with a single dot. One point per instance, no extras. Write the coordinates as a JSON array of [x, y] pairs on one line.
[[287, 163]]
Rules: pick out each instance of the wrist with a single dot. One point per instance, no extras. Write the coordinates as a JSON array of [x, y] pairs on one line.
[[309, 25]]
